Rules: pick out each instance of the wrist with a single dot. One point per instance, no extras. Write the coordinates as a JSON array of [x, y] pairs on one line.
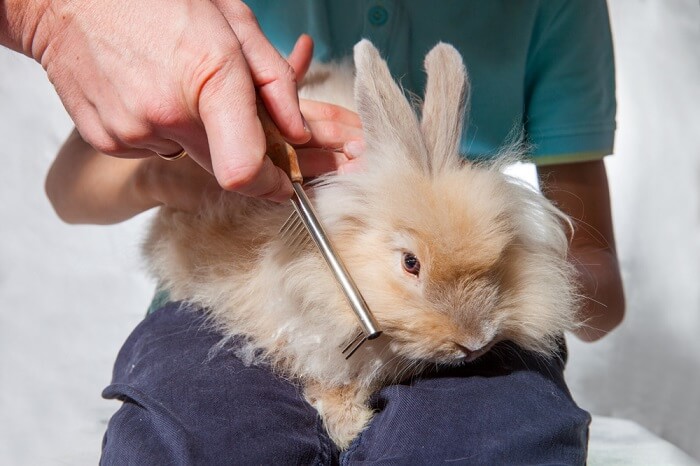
[[600, 282], [143, 184], [24, 26]]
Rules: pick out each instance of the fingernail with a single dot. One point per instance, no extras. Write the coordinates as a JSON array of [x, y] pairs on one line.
[[307, 129], [354, 149]]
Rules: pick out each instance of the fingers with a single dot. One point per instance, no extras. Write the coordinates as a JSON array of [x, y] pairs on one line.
[[337, 139], [122, 134], [314, 162], [92, 130], [315, 110], [199, 97], [235, 136], [331, 125], [237, 147], [301, 56], [271, 74], [354, 149]]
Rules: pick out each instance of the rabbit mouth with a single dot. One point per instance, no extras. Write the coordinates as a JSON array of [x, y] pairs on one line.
[[450, 352], [465, 355]]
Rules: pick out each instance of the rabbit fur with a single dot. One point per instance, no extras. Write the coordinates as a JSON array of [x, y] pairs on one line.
[[492, 252]]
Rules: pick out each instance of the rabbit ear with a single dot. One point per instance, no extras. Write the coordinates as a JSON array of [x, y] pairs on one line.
[[446, 97], [390, 124]]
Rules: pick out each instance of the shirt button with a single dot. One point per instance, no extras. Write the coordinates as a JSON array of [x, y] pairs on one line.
[[378, 15]]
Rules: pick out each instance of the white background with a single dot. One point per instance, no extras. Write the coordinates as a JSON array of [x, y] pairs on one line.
[[69, 295]]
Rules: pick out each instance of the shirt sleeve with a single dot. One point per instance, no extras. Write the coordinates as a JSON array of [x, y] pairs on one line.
[[570, 83]]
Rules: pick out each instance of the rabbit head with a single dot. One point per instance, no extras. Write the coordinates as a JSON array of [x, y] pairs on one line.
[[451, 256]]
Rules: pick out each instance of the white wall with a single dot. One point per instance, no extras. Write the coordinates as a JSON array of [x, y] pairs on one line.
[[649, 370], [70, 295]]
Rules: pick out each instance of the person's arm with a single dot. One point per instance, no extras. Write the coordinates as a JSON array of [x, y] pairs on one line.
[[149, 76], [86, 186], [581, 191]]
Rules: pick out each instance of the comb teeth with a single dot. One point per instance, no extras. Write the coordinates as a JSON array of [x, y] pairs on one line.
[[302, 228], [354, 344], [295, 236], [294, 233]]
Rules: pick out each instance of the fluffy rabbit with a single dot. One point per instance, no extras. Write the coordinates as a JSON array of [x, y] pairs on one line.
[[451, 256]]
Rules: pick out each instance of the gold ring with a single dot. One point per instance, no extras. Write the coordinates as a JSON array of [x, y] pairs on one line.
[[171, 157]]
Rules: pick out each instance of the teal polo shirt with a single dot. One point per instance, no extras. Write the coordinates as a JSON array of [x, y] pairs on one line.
[[544, 68]]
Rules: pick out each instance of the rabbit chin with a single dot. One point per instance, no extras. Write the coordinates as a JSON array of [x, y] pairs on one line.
[[448, 353], [450, 349]]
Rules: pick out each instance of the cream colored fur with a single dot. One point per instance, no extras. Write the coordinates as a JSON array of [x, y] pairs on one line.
[[492, 252]]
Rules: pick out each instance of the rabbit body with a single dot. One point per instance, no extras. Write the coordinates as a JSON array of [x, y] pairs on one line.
[[491, 253]]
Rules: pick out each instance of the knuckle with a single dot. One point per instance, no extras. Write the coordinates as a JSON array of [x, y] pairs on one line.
[[164, 114], [331, 112], [237, 177], [277, 73], [211, 72], [333, 132], [244, 15], [287, 73], [107, 145], [134, 135]]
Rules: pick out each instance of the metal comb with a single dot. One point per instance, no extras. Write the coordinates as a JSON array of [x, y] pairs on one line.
[[303, 226]]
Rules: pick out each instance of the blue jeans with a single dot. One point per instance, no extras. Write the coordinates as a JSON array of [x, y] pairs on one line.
[[183, 403]]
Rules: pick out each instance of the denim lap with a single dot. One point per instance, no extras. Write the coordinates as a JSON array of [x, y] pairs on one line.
[[187, 402], [510, 408]]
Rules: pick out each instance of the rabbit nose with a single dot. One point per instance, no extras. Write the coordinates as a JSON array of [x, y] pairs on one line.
[[471, 354], [467, 352]]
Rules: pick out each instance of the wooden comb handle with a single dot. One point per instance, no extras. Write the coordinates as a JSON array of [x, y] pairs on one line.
[[280, 152]]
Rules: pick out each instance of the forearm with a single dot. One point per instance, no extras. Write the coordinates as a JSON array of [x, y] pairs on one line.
[[85, 186], [581, 191]]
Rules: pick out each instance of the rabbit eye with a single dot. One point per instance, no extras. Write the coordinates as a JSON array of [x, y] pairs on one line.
[[411, 264]]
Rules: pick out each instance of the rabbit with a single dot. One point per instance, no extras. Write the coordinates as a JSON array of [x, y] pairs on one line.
[[451, 256]]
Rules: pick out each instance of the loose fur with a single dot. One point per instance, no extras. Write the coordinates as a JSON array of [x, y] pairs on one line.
[[492, 253]]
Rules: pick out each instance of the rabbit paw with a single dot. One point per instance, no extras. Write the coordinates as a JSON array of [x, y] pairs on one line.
[[342, 410]]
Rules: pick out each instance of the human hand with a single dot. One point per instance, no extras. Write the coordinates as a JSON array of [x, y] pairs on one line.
[[85, 186], [336, 143], [155, 75]]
